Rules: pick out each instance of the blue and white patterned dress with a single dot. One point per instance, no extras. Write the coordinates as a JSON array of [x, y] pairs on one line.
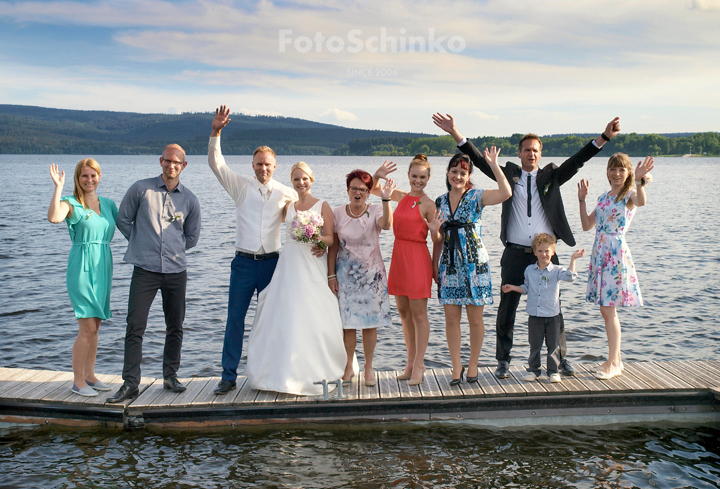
[[464, 273]]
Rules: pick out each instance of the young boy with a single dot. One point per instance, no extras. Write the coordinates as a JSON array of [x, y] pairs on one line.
[[543, 304]]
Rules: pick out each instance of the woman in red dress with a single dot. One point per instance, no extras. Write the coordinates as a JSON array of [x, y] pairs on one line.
[[410, 277]]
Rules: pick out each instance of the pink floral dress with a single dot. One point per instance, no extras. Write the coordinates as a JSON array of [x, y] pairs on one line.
[[612, 280]]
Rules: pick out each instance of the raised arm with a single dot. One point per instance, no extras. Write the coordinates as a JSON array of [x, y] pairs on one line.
[[58, 209], [570, 167], [381, 174], [447, 124], [642, 178], [574, 257], [385, 222], [587, 220], [221, 119], [503, 192]]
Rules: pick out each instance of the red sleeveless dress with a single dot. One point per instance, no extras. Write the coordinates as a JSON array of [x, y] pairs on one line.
[[411, 266]]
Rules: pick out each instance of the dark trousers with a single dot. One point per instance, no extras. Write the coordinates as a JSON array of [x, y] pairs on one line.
[[143, 288], [513, 264], [247, 276], [547, 329]]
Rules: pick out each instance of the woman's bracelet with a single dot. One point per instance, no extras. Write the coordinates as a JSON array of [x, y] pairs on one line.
[[641, 182], [332, 276], [386, 200], [581, 200]]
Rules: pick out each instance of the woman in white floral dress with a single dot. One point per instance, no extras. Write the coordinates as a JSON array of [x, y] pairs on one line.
[[356, 271], [612, 280]]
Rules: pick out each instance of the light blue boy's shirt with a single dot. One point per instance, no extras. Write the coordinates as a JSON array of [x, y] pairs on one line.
[[543, 289]]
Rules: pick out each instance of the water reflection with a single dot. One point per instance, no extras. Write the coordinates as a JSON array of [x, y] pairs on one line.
[[406, 457]]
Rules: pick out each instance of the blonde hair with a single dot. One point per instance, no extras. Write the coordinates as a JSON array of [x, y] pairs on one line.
[[621, 160], [304, 167], [543, 238], [264, 149], [421, 161], [79, 193]]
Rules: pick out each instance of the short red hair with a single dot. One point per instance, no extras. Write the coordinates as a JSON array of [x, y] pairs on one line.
[[361, 175]]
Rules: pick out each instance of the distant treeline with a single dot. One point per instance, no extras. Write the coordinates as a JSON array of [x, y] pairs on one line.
[[705, 143], [39, 130]]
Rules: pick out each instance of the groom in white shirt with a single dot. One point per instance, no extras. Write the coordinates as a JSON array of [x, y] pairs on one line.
[[259, 203]]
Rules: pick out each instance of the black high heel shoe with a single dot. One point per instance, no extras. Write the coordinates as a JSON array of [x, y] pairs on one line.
[[470, 380], [457, 381]]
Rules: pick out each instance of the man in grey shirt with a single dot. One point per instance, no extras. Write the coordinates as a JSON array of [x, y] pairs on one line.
[[160, 218]]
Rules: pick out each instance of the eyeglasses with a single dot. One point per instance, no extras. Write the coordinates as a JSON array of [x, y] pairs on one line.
[[358, 189], [172, 162]]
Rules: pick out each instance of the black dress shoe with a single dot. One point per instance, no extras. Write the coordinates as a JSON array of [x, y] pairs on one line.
[[566, 368], [457, 381], [502, 371], [173, 384], [225, 386], [123, 394]]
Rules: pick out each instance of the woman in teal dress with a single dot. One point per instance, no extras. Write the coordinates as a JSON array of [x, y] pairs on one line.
[[91, 223]]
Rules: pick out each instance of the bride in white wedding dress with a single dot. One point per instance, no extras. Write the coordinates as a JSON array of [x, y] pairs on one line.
[[297, 336]]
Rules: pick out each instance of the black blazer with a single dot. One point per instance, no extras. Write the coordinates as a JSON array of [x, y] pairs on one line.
[[548, 182]]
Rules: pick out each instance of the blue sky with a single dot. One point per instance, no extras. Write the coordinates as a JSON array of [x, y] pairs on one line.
[[499, 67]]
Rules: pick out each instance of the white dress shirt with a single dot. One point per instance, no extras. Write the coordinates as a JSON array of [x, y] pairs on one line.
[[258, 207], [522, 229]]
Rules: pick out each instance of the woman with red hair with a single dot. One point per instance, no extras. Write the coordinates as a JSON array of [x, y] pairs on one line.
[[356, 272]]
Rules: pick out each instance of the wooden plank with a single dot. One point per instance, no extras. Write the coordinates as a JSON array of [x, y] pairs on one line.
[[206, 394], [12, 374], [443, 376], [685, 368], [429, 388], [584, 375], [366, 392], [511, 386], [574, 385], [266, 397], [285, 398], [712, 368], [149, 395], [18, 381], [620, 384], [553, 389], [63, 379], [194, 386], [392, 388], [654, 385], [684, 373], [672, 382], [5, 371], [705, 370], [487, 383], [244, 394], [352, 390], [22, 389], [531, 388]]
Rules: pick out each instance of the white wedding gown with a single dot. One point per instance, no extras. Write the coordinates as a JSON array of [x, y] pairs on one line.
[[297, 335]]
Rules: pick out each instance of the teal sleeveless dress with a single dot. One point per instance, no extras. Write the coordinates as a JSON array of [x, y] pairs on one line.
[[90, 264]]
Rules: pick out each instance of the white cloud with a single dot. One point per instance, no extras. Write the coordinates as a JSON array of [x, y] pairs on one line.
[[484, 116], [338, 115]]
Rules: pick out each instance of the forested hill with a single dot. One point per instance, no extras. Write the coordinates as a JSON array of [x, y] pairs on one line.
[[38, 130]]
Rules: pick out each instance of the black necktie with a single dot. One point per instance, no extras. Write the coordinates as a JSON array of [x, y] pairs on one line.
[[529, 196]]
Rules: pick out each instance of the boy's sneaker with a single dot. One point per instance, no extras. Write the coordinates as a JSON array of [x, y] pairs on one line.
[[530, 377], [555, 378]]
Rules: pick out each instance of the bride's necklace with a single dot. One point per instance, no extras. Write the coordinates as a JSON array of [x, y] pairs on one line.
[[353, 214]]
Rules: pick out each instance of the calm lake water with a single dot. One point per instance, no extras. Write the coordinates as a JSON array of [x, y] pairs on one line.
[[673, 244]]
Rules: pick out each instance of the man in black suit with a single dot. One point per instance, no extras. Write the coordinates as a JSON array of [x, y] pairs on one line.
[[524, 215]]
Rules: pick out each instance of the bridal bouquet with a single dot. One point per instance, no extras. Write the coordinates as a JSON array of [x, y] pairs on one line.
[[306, 227]]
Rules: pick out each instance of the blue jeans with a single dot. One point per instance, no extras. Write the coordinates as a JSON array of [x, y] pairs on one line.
[[246, 277]]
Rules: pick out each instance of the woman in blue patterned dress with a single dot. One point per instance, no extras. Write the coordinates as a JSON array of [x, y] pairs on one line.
[[460, 262], [91, 223], [612, 280]]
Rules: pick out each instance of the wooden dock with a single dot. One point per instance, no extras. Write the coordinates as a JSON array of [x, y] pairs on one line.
[[646, 392]]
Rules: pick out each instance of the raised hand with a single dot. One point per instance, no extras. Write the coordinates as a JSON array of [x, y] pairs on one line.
[[437, 220], [385, 169], [58, 177], [221, 119], [578, 254], [386, 190], [583, 189], [492, 155], [444, 122], [613, 128], [644, 167]]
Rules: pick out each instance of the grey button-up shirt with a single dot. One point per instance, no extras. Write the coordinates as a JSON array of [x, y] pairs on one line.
[[159, 225], [543, 289]]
